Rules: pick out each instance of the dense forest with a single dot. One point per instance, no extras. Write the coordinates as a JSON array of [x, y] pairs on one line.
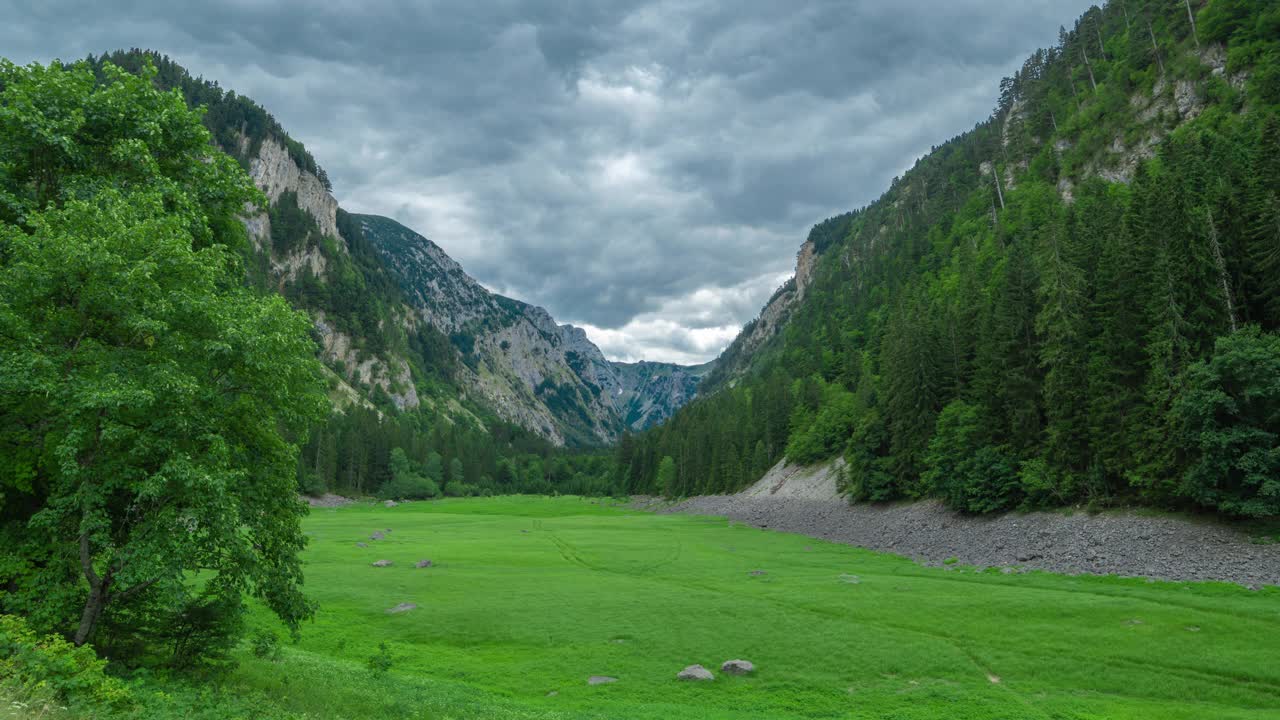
[[1075, 302]]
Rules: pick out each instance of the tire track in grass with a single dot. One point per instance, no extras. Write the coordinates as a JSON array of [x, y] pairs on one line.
[[570, 553]]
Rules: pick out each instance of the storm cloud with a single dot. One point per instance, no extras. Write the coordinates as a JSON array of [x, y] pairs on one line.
[[644, 169]]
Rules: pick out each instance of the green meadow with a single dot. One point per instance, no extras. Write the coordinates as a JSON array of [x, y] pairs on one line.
[[528, 597]]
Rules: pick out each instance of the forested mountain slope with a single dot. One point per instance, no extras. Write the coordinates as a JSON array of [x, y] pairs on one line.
[[534, 372], [400, 323], [1075, 301]]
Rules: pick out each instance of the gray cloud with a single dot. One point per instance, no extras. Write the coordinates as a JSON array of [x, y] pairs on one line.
[[645, 169]]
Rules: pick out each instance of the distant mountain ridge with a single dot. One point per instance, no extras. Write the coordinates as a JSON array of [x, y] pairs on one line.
[[530, 369]]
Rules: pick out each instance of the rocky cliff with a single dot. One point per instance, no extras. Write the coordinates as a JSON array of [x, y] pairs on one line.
[[531, 370]]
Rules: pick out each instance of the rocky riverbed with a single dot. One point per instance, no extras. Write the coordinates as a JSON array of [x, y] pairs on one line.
[[1132, 544]]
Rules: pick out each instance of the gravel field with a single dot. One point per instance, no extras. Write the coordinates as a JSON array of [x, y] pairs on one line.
[[805, 501]]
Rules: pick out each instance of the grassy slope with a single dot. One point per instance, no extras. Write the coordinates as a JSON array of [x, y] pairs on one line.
[[506, 616]]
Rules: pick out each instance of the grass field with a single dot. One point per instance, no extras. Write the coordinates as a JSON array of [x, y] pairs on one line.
[[530, 596]]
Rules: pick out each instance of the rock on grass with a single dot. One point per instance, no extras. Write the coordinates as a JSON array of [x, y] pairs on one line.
[[738, 667], [601, 680], [695, 672], [382, 563]]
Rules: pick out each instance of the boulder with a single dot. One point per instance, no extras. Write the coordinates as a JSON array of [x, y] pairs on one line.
[[695, 672], [391, 503], [382, 563], [402, 607], [738, 667], [601, 680], [422, 564]]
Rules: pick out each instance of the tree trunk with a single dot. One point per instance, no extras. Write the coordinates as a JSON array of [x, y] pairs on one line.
[[1192, 17], [1088, 66], [1218, 260], [93, 608], [1154, 47]]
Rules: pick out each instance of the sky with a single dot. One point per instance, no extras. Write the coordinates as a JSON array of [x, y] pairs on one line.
[[644, 169]]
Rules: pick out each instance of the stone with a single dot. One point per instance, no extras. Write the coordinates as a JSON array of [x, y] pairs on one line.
[[850, 579], [696, 673], [422, 564], [738, 667], [362, 545], [758, 573], [601, 680], [382, 563], [376, 536], [391, 503], [402, 607]]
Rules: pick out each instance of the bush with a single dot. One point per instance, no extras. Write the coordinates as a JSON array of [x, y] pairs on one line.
[[461, 489], [380, 662], [51, 667], [409, 487], [265, 645], [1228, 414]]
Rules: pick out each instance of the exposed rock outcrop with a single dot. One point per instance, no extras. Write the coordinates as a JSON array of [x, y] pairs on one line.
[[534, 372]]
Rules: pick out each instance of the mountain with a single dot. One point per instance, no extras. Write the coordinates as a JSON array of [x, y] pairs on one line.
[[531, 370], [401, 325], [1055, 307]]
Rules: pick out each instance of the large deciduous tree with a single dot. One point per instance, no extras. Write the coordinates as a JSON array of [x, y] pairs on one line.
[[148, 401]]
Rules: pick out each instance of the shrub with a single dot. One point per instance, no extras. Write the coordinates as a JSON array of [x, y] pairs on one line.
[[380, 662], [34, 666], [265, 645]]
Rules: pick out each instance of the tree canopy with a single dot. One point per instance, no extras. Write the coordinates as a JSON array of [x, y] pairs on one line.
[[150, 403]]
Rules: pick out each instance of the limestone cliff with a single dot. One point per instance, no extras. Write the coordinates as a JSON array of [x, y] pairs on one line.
[[531, 370]]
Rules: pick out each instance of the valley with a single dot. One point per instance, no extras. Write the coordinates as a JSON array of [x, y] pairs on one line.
[[526, 598], [1005, 445]]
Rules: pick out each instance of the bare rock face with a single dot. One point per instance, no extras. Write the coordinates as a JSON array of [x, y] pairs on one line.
[[275, 173], [695, 673], [738, 667], [805, 260], [382, 563], [546, 377], [601, 680]]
